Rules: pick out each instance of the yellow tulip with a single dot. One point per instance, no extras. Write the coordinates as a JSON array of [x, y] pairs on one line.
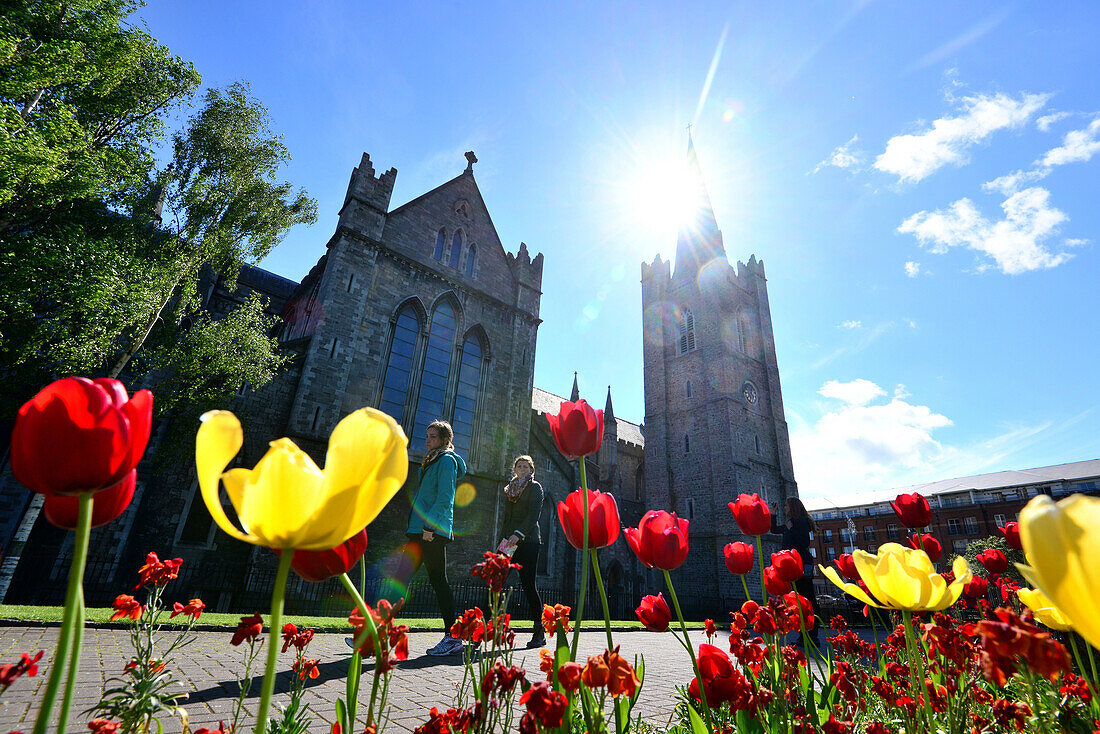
[[1062, 544], [902, 578], [1044, 609], [286, 501]]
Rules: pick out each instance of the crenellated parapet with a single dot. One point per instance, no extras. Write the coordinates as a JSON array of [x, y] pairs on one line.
[[367, 199]]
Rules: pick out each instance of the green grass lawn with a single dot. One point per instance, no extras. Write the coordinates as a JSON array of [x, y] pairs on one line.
[[21, 613]]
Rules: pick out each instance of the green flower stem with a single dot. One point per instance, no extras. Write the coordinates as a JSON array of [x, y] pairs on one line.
[[372, 630], [74, 660], [277, 600], [1092, 663], [690, 649], [584, 566], [916, 678], [603, 598], [745, 586], [69, 638], [760, 557]]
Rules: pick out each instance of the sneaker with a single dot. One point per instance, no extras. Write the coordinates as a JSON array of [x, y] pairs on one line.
[[350, 642], [443, 647], [455, 646]]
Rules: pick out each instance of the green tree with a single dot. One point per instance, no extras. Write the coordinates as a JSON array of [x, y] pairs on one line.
[[83, 98]]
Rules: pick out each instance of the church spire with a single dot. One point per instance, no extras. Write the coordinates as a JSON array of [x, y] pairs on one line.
[[576, 394], [608, 411], [699, 240]]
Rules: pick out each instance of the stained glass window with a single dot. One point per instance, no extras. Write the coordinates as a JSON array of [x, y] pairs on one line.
[[469, 376], [395, 386], [437, 367]]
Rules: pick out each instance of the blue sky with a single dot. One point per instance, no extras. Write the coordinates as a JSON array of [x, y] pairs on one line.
[[919, 178]]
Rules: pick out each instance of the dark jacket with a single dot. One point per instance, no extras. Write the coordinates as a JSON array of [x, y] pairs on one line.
[[522, 516], [433, 508], [796, 537]]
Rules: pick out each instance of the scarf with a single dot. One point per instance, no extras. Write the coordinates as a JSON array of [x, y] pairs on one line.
[[434, 454], [516, 486]]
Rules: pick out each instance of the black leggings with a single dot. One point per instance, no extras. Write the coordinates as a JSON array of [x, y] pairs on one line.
[[527, 555], [433, 555], [805, 587]]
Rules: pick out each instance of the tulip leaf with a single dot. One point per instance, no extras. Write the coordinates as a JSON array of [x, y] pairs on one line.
[[697, 725], [342, 713]]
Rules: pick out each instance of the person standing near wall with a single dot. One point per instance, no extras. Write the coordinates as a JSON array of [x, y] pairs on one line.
[[796, 536], [522, 505]]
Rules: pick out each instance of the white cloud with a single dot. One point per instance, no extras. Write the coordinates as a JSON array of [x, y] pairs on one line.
[[851, 325], [860, 446], [1017, 243], [912, 269], [1045, 122], [856, 392], [843, 157], [1077, 146], [1010, 183], [915, 156]]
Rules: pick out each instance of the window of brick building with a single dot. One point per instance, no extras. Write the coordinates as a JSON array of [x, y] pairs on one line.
[[828, 535], [869, 534], [892, 531], [959, 546], [954, 527], [440, 240], [999, 520], [971, 525], [687, 331], [471, 259], [456, 249]]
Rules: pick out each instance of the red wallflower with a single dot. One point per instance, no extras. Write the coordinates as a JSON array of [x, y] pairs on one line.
[[554, 617], [324, 564], [577, 429], [545, 704], [249, 628], [79, 435], [799, 605], [596, 672], [192, 609], [126, 606], [501, 678], [392, 638], [1011, 532], [752, 514], [928, 544], [469, 625], [293, 638], [494, 570], [306, 667], [603, 518], [721, 681], [104, 726], [739, 557], [913, 510], [660, 540], [788, 564], [774, 583], [993, 560], [107, 504], [156, 572], [847, 567], [976, 588], [11, 672], [654, 613], [569, 675]]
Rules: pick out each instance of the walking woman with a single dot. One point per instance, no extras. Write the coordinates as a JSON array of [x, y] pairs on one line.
[[430, 527], [522, 506], [796, 536]]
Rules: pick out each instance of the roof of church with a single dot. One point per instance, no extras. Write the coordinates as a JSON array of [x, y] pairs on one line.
[[996, 480], [547, 402], [267, 281]]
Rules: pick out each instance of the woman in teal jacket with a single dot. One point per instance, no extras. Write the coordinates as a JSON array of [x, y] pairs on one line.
[[431, 523]]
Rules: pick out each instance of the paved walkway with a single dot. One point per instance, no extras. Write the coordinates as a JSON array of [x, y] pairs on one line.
[[209, 666]]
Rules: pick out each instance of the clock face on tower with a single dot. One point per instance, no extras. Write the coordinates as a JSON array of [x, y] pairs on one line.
[[749, 391]]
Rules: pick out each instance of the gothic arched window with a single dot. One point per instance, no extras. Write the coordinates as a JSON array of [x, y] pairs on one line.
[[456, 249], [471, 258], [437, 368], [687, 331], [440, 240], [469, 379], [395, 386]]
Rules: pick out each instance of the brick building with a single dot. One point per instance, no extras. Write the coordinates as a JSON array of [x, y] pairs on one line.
[[963, 509]]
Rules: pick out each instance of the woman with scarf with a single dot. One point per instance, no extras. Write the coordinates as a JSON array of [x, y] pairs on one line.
[[522, 506]]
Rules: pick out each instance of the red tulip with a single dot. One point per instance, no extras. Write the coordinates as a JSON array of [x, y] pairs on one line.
[[603, 518], [107, 505], [928, 544], [660, 540], [321, 565], [654, 613], [993, 560], [752, 514], [976, 588], [577, 429], [847, 567], [739, 558], [722, 682], [1011, 531], [79, 435], [913, 510], [788, 564], [774, 583]]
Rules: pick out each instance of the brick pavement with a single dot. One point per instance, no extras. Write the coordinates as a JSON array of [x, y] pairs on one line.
[[209, 666]]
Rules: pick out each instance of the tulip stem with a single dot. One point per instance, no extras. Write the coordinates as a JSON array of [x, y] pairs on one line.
[[74, 661], [69, 639], [745, 586], [277, 600], [916, 679], [584, 565], [760, 557], [372, 630], [603, 597], [690, 649]]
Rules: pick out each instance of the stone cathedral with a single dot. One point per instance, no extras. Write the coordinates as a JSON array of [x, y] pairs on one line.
[[421, 311]]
